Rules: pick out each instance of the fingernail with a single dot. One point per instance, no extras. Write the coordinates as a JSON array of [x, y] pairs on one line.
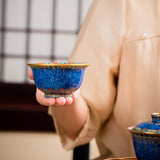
[[61, 101], [69, 100]]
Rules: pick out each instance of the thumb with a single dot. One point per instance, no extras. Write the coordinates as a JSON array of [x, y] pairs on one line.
[[30, 74]]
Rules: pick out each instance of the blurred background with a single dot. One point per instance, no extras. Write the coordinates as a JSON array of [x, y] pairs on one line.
[[33, 31]]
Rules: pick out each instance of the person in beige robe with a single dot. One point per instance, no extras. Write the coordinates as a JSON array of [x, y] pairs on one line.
[[120, 39]]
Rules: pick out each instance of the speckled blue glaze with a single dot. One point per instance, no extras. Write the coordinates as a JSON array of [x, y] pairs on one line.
[[146, 139], [58, 80], [147, 147]]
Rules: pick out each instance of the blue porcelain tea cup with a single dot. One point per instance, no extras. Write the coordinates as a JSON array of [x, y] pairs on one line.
[[58, 79]]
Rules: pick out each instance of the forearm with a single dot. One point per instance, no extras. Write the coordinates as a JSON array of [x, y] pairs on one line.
[[71, 117]]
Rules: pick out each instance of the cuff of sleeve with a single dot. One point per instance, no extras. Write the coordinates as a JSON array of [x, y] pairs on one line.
[[87, 133]]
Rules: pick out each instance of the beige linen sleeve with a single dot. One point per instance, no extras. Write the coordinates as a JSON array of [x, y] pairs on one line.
[[99, 44]]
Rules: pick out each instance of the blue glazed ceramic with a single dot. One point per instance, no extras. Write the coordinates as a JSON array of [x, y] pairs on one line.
[[58, 79], [146, 139]]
